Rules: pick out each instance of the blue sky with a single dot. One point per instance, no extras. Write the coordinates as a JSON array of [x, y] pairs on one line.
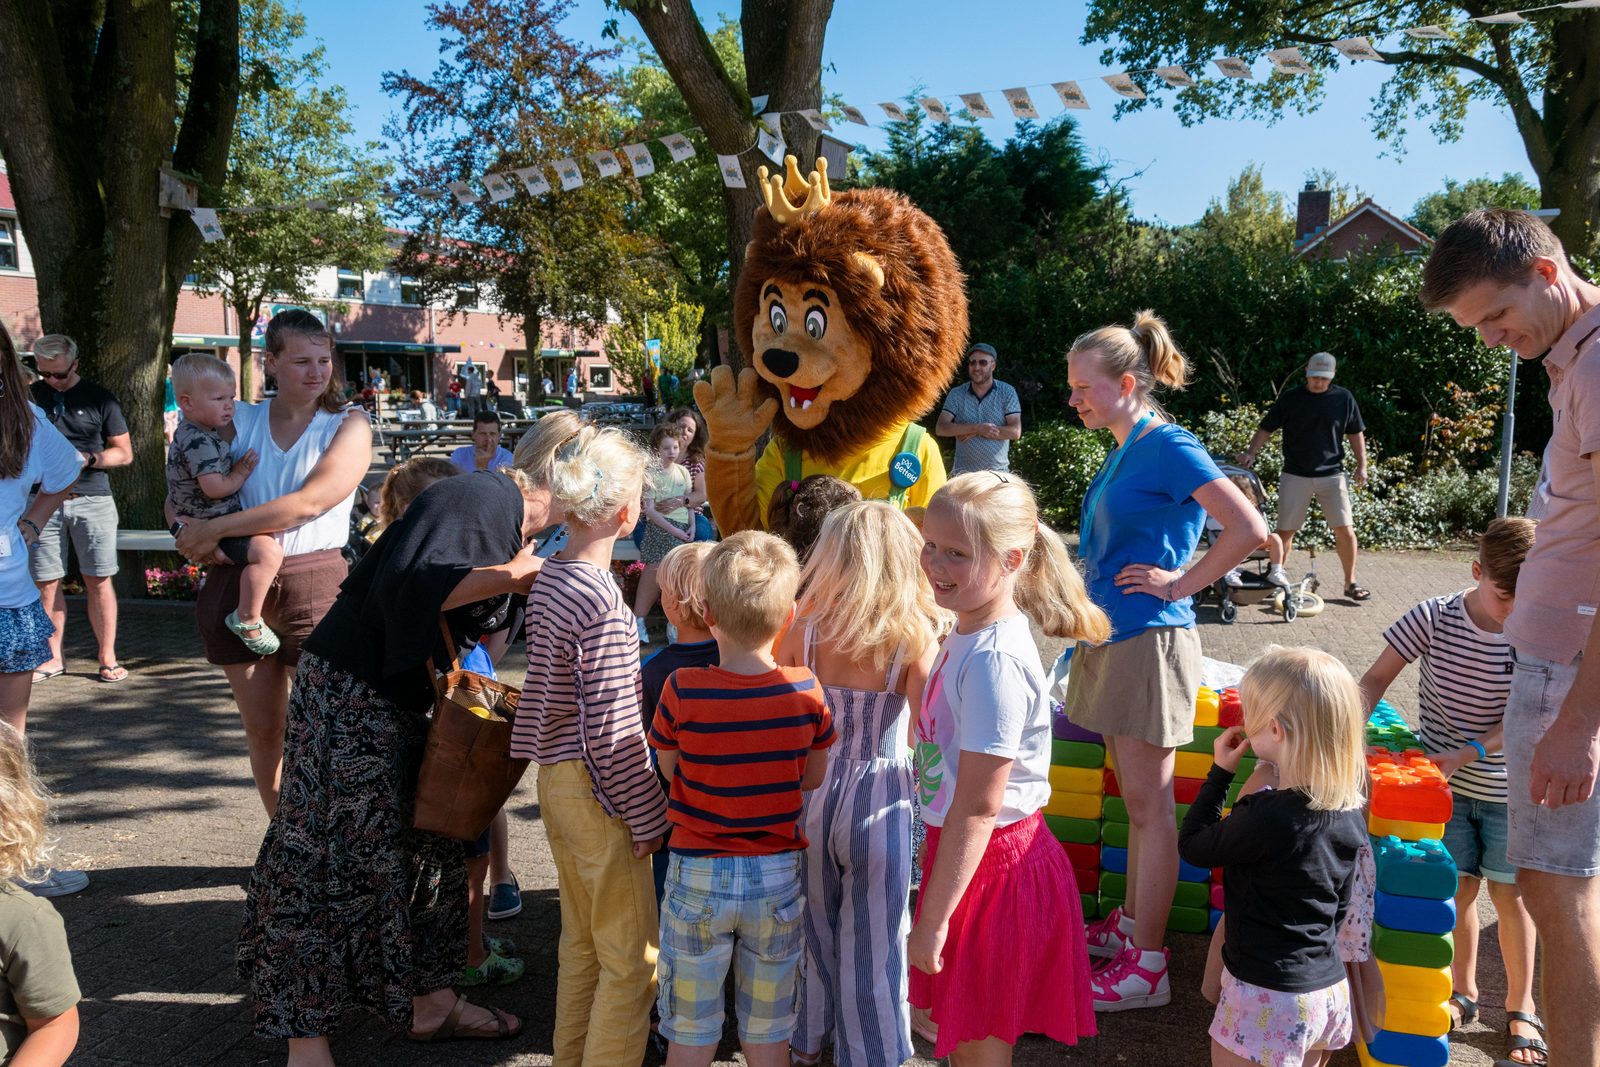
[[881, 49]]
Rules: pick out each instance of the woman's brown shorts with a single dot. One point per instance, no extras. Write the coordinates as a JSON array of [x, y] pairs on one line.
[[300, 596]]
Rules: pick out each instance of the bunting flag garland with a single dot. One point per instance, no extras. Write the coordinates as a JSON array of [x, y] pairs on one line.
[[1071, 96], [1021, 103], [853, 114], [568, 173], [1289, 61], [1175, 76], [770, 146], [605, 161], [934, 108], [533, 179], [773, 121], [759, 103], [639, 159], [1428, 33], [815, 120], [1123, 85], [206, 219], [1509, 18], [463, 193], [732, 173], [976, 105], [499, 188], [679, 146], [895, 112], [1356, 48], [1233, 67]]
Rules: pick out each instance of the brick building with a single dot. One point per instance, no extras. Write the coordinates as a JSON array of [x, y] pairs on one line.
[[375, 327], [1364, 228]]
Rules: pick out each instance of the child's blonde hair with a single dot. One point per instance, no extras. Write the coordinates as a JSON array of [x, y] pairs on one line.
[[189, 371], [1318, 705], [597, 472], [750, 581], [1001, 516], [536, 451], [405, 481], [864, 587], [682, 579], [23, 804]]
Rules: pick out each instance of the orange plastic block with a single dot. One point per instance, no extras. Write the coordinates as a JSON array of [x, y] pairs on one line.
[[1407, 787]]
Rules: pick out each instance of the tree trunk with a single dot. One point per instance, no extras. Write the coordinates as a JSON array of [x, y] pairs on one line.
[[1571, 123], [88, 129], [244, 316], [783, 60]]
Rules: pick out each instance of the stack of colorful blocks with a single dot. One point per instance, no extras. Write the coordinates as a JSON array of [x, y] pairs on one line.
[[1077, 785], [1414, 911]]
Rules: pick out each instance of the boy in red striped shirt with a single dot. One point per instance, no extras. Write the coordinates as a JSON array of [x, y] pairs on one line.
[[739, 743]]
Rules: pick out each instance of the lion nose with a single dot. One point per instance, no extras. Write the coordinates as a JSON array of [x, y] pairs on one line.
[[780, 361]]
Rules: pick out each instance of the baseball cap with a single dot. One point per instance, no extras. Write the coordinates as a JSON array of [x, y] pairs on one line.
[[985, 347], [1320, 365]]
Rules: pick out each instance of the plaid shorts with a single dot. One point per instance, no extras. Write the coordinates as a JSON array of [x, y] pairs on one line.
[[740, 911]]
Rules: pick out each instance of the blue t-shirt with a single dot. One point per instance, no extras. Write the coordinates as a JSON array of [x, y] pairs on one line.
[[1147, 514]]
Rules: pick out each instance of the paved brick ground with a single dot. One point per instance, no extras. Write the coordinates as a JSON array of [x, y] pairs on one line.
[[156, 803]]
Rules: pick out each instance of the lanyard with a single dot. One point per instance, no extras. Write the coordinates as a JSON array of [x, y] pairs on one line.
[[1097, 488]]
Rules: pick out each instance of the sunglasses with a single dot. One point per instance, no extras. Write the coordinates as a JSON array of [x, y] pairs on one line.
[[61, 377]]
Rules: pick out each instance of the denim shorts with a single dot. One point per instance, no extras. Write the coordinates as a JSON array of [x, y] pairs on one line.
[[1565, 840], [743, 912], [1475, 837]]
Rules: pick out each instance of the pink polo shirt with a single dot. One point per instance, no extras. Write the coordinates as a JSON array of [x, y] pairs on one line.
[[1559, 587]]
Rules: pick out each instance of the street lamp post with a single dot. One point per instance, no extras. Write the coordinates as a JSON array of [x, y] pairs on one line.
[[1503, 501]]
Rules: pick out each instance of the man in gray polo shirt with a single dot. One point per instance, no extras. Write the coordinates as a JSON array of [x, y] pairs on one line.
[[983, 416]]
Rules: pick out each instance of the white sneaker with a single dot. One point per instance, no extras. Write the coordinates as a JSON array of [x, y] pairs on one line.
[[644, 633], [55, 883], [1278, 576], [1234, 579], [1134, 979]]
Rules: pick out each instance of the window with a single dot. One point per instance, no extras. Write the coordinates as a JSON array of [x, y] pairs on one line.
[[351, 284], [599, 377], [8, 246], [467, 295], [410, 290]]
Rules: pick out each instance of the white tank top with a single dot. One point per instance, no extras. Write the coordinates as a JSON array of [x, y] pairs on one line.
[[281, 472]]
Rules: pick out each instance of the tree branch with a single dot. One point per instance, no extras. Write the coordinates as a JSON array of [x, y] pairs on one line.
[[208, 117], [675, 32]]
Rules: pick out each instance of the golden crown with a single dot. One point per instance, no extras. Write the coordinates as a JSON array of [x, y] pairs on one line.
[[791, 198]]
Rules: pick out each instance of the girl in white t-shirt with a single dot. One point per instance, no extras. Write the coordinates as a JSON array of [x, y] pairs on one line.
[[993, 875]]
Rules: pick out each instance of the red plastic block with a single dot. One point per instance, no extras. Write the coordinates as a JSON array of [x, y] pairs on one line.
[[1184, 790], [1407, 787], [1083, 857], [1112, 788], [1216, 896], [1229, 711], [1088, 879]]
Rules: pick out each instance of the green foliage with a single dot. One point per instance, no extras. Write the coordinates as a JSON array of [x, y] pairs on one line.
[[1437, 210], [664, 317], [291, 143], [1059, 460], [1250, 220]]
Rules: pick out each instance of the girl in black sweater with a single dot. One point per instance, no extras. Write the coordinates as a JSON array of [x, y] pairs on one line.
[[1289, 858]]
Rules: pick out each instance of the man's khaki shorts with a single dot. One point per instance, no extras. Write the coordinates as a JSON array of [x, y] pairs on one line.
[[1294, 500]]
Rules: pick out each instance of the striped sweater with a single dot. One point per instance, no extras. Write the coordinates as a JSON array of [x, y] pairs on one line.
[[581, 696]]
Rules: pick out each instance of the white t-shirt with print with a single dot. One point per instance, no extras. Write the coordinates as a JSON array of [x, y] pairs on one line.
[[987, 694]]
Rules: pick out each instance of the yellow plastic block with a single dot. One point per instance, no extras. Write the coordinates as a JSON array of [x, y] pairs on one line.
[[1073, 805], [1192, 764], [1090, 780], [1423, 984], [1205, 707], [1405, 831], [1416, 1017], [1367, 1058]]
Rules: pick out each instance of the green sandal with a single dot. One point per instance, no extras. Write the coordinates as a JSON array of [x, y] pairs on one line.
[[494, 970], [264, 643]]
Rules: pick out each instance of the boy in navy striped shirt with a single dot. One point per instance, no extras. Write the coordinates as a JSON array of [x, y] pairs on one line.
[[1466, 666], [738, 742]]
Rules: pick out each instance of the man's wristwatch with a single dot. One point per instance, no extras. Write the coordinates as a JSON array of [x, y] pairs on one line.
[[89, 459]]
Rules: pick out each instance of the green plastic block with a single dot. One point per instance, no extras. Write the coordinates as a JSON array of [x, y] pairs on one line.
[[1078, 831], [1204, 739], [1189, 920], [1090, 904], [1112, 809], [1077, 754], [1107, 904], [1114, 834], [1409, 949], [1233, 791]]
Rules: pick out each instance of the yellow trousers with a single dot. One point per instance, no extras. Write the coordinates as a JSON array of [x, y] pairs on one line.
[[609, 926]]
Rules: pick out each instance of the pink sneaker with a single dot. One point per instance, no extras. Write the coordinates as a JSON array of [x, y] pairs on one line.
[[1126, 983], [1109, 936]]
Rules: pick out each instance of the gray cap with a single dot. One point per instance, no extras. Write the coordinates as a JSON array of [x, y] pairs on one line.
[[984, 347], [1320, 365]]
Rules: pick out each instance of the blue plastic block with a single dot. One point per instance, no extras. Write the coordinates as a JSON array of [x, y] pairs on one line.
[[1413, 1050], [1113, 859], [1421, 869], [1216, 917], [1188, 872], [1414, 914]]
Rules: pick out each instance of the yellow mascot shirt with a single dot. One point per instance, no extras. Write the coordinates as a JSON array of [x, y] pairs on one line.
[[867, 470]]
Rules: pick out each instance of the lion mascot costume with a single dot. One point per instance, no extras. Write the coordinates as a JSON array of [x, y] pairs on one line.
[[853, 312]]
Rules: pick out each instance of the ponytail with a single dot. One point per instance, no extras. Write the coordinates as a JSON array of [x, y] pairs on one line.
[[1166, 362], [1145, 350]]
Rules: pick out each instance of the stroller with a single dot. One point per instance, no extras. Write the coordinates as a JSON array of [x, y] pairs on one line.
[[1249, 583]]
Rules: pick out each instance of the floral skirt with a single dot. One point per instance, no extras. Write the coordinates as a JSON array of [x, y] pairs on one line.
[[348, 905], [24, 638]]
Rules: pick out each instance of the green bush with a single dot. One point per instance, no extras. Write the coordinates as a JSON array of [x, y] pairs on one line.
[[1059, 460]]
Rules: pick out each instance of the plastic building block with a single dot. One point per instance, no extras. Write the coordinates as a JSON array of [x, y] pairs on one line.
[[1188, 894], [1216, 897], [1077, 754], [1421, 869], [1189, 920], [1088, 880], [1405, 831], [1082, 857], [1407, 787], [1113, 860], [1233, 791], [1414, 914], [1188, 872], [1216, 917], [1110, 786], [1074, 779], [1206, 704], [1366, 1057], [1205, 738], [1229, 711], [1386, 729], [1416, 1017], [1412, 1050], [1114, 834], [1112, 809], [1090, 903], [1066, 730], [1192, 764], [1184, 790], [1107, 905], [1409, 949], [1066, 828], [1415, 983], [1072, 805]]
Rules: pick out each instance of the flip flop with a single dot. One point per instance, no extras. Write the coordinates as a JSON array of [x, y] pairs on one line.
[[1355, 592], [1517, 1043], [113, 672], [447, 1028], [45, 676]]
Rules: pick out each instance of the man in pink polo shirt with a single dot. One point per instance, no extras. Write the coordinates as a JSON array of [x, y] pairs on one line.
[[1504, 274]]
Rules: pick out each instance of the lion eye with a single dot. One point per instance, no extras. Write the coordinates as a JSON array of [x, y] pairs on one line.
[[780, 321], [816, 323]]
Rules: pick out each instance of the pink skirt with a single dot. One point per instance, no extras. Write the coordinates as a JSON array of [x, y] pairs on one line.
[[1015, 961]]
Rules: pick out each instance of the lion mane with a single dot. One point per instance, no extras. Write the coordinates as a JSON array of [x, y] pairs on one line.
[[914, 326]]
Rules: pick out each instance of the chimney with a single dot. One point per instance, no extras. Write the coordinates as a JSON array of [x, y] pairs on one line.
[[1312, 216]]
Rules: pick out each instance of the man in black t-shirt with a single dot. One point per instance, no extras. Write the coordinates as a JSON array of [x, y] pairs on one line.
[[89, 417], [1315, 421]]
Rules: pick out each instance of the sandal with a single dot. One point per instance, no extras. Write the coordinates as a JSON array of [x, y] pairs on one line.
[[1517, 1043], [43, 675], [446, 1030], [1463, 1010], [264, 643], [1355, 591], [112, 672]]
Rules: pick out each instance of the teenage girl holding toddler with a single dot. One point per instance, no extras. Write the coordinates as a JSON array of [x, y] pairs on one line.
[[993, 876]]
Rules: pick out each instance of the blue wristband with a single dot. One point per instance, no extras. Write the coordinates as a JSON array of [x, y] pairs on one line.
[[1483, 753]]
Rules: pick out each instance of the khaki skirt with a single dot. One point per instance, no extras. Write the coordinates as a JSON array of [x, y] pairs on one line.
[[1142, 688]]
